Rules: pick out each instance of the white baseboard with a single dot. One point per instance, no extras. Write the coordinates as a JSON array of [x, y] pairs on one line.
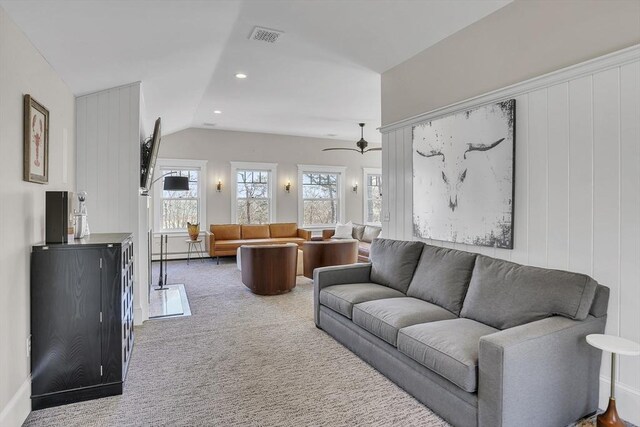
[[139, 316], [18, 408], [627, 400]]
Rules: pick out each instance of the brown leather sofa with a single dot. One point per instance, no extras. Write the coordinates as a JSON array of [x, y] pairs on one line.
[[364, 234], [225, 239]]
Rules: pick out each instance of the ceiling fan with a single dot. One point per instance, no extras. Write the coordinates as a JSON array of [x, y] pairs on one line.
[[362, 144]]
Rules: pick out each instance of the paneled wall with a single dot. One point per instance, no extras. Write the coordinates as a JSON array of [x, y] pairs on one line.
[[108, 131], [577, 187]]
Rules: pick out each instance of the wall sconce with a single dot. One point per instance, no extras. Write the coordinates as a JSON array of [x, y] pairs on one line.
[[355, 187], [287, 187], [219, 186]]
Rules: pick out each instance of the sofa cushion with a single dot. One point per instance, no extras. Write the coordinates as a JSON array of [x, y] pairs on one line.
[[442, 277], [358, 231], [283, 229], [393, 262], [447, 347], [226, 231], [385, 317], [341, 298], [370, 233], [503, 294], [257, 231]]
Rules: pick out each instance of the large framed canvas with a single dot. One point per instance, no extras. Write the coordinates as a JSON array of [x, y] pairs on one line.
[[36, 141], [463, 176]]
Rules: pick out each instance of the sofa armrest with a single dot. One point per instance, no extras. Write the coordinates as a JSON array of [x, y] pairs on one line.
[[540, 373], [304, 234], [327, 234], [337, 275]]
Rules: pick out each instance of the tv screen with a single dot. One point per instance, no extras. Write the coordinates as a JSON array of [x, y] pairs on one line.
[[148, 155]]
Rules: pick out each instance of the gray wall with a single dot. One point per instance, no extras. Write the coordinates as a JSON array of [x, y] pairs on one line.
[[522, 40], [23, 70]]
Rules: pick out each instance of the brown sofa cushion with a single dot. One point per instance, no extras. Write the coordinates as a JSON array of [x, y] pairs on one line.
[[255, 231], [284, 229], [226, 231]]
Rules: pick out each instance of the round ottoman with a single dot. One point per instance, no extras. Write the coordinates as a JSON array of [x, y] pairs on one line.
[[269, 269], [299, 268]]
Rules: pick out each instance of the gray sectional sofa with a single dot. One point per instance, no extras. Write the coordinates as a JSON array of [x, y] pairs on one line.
[[480, 341]]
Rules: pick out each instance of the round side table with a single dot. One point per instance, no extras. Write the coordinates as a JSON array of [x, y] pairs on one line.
[[614, 345], [195, 246]]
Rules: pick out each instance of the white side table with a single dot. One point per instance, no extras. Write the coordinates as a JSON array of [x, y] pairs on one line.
[[614, 345], [195, 246]]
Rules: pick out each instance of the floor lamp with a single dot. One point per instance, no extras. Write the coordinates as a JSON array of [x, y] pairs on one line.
[[171, 183]]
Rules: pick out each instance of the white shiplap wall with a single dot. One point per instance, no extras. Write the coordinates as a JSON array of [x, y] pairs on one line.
[[108, 131], [577, 187]]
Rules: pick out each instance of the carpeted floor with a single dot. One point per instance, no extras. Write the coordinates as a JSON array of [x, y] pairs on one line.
[[242, 359]]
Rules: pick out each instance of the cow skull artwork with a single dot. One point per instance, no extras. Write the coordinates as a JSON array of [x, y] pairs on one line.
[[463, 176]]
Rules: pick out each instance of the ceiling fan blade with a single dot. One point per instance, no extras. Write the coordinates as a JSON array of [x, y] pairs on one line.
[[332, 149], [373, 149]]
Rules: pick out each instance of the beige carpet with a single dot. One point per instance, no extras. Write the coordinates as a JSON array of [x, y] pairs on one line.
[[242, 360]]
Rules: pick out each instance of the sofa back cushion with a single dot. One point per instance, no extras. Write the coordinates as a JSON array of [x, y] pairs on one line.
[[255, 231], [226, 231], [393, 262], [442, 277], [369, 233], [283, 229], [358, 231], [504, 294]]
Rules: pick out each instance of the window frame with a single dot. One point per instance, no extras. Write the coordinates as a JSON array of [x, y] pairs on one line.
[[341, 171], [365, 195], [181, 164], [272, 169]]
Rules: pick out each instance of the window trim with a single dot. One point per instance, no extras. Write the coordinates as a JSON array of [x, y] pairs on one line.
[[200, 165], [341, 171], [272, 168], [365, 173]]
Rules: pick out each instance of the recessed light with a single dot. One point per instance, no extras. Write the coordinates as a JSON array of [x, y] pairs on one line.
[[241, 76], [217, 112]]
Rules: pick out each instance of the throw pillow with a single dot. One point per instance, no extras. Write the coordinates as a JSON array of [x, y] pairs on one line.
[[343, 231], [370, 233], [358, 231]]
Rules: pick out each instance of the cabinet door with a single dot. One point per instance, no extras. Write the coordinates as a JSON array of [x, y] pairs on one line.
[[112, 317], [65, 319]]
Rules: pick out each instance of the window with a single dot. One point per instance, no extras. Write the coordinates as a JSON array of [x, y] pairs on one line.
[[173, 209], [321, 195], [372, 196], [252, 196], [254, 192]]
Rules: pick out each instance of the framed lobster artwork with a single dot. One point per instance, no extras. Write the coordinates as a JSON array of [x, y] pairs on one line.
[[36, 141]]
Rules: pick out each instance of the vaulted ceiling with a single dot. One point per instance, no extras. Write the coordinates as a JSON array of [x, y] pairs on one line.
[[319, 79]]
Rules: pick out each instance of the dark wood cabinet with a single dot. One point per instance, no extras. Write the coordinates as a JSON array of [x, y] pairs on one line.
[[81, 319]]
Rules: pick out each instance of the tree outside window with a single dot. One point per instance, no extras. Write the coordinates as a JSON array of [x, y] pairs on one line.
[[320, 198], [373, 198], [180, 207], [253, 197]]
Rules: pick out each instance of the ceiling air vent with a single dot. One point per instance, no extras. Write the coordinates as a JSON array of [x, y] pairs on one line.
[[209, 124], [265, 35]]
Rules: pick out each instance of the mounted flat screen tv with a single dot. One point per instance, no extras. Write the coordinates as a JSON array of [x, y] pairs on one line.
[[148, 155]]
